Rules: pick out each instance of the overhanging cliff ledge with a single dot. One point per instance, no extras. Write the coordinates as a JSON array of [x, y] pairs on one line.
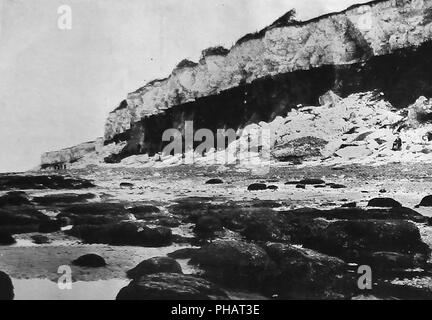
[[355, 35]]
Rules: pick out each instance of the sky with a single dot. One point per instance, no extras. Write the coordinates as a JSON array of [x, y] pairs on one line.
[[58, 86]]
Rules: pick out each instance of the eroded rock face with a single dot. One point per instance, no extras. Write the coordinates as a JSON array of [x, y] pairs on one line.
[[171, 286], [351, 36]]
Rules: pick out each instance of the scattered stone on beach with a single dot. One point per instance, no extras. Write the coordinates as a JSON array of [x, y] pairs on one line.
[[21, 219], [301, 186], [171, 286], [6, 239], [257, 187], [154, 237], [154, 265], [126, 185], [14, 198], [235, 264], [306, 274], [207, 225], [6, 287], [214, 181], [63, 198], [272, 187], [40, 239], [91, 260], [384, 203], [426, 202], [336, 186], [185, 253], [27, 182]]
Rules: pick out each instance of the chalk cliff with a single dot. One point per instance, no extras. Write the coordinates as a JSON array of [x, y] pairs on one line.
[[355, 35]]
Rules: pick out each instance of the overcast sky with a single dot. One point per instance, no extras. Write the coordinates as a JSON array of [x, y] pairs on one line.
[[58, 86]]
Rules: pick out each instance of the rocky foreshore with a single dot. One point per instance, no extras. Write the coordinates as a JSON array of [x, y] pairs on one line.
[[222, 240]]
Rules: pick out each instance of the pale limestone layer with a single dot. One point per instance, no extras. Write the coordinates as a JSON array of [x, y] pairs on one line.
[[344, 38], [71, 154]]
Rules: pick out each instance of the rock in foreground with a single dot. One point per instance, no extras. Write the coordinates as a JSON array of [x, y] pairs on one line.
[[171, 286], [6, 287], [154, 265]]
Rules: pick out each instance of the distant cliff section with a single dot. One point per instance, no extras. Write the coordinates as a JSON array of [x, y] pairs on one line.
[[351, 37]]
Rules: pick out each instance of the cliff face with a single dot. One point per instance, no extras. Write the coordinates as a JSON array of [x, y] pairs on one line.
[[57, 159], [351, 37]]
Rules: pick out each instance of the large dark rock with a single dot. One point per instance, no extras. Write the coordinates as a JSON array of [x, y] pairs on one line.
[[6, 239], [49, 226], [307, 274], [14, 198], [214, 181], [185, 253], [91, 260], [154, 265], [207, 225], [257, 187], [354, 213], [40, 239], [124, 233], [383, 262], [171, 286], [63, 198], [21, 219], [26, 182], [384, 203], [235, 264], [356, 239], [426, 202], [93, 213], [6, 287]]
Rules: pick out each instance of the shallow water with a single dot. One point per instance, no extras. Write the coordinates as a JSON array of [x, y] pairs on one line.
[[44, 289]]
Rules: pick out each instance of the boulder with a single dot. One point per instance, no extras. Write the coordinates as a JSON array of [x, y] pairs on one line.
[[14, 198], [154, 265], [356, 239], [235, 264], [214, 181], [126, 185], [426, 202], [146, 211], [39, 239], [311, 181], [307, 274], [124, 233], [91, 260], [93, 213], [384, 203], [171, 286], [6, 287], [419, 113], [6, 239], [257, 187], [298, 149]]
